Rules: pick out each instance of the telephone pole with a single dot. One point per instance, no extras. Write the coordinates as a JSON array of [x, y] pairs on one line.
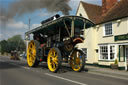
[[29, 22]]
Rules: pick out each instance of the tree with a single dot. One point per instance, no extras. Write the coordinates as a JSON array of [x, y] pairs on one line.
[[13, 43], [16, 43], [3, 46]]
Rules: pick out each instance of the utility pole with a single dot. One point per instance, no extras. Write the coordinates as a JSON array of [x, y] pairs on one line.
[[28, 36], [29, 21]]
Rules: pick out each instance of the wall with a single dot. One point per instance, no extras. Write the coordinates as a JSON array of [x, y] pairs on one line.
[[118, 29], [82, 11], [94, 37]]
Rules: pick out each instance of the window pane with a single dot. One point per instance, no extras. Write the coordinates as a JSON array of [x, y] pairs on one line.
[[103, 52], [108, 29], [112, 52]]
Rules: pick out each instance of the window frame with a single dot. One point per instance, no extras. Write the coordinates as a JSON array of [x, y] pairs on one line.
[[108, 48], [104, 29]]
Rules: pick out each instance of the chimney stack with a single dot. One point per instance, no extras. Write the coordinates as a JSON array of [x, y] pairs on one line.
[[107, 4]]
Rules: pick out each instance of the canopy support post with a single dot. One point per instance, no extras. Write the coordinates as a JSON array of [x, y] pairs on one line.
[[72, 28], [67, 28]]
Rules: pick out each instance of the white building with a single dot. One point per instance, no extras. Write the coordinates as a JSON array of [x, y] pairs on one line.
[[107, 42]]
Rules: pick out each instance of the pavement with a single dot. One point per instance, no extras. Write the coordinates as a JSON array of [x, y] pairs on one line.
[[122, 74], [13, 72]]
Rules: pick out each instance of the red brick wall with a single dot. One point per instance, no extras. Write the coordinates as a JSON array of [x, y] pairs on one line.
[[107, 4]]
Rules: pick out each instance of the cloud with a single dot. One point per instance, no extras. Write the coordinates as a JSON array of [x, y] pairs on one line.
[[13, 28], [0, 35], [45, 13], [35, 25], [16, 25], [19, 27]]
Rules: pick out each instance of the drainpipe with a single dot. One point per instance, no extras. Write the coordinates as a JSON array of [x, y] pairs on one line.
[[127, 24], [126, 68], [119, 54]]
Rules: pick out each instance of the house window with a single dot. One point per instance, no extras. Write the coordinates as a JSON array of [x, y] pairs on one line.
[[107, 52], [108, 29], [103, 52]]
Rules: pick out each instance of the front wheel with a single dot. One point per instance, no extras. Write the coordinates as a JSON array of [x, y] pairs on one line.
[[77, 60], [54, 59], [33, 53]]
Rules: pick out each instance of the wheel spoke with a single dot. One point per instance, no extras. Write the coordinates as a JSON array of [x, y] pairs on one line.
[[54, 65], [54, 54], [56, 62]]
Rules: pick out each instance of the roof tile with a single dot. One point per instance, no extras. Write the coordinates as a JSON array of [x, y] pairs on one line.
[[94, 12]]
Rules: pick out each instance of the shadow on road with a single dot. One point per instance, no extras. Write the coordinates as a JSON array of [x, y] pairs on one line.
[[7, 65], [63, 68], [16, 64]]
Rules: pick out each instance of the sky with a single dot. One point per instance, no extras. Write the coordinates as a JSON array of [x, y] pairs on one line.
[[19, 24]]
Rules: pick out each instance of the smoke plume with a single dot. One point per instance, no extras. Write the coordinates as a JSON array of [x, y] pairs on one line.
[[21, 7]]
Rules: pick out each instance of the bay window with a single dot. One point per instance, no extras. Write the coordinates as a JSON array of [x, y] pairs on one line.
[[107, 52]]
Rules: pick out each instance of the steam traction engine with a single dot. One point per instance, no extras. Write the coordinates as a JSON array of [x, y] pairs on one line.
[[55, 42]]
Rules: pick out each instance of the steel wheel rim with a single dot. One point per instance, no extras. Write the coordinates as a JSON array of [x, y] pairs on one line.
[[76, 63], [52, 60], [31, 53]]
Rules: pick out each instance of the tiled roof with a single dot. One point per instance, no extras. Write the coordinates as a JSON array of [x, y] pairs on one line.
[[94, 12]]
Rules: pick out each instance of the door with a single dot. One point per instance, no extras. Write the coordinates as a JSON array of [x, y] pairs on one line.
[[126, 55]]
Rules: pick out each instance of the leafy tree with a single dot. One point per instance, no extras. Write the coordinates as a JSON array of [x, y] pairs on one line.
[[14, 43], [3, 46]]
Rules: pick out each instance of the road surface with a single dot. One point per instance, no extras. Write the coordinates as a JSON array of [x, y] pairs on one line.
[[18, 73]]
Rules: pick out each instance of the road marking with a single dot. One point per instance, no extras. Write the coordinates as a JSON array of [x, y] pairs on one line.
[[20, 66], [15, 64], [108, 75], [65, 79], [26, 67]]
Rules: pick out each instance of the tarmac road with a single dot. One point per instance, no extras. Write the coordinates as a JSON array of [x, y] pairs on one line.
[[18, 73]]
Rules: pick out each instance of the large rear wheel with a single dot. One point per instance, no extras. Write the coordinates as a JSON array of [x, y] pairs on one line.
[[77, 60], [54, 59], [33, 53]]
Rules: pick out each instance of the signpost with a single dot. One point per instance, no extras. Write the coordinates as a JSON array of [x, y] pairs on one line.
[[121, 37]]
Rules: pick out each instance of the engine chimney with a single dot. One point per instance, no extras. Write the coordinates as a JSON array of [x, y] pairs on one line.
[[107, 4]]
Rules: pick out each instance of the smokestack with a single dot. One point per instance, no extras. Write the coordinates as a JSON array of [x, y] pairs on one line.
[[107, 4], [51, 18]]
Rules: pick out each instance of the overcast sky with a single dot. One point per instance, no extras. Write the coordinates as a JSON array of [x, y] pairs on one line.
[[19, 25]]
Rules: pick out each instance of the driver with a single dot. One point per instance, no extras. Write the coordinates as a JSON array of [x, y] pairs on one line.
[[39, 38]]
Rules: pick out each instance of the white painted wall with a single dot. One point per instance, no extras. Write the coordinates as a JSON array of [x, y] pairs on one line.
[[82, 11], [94, 37]]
